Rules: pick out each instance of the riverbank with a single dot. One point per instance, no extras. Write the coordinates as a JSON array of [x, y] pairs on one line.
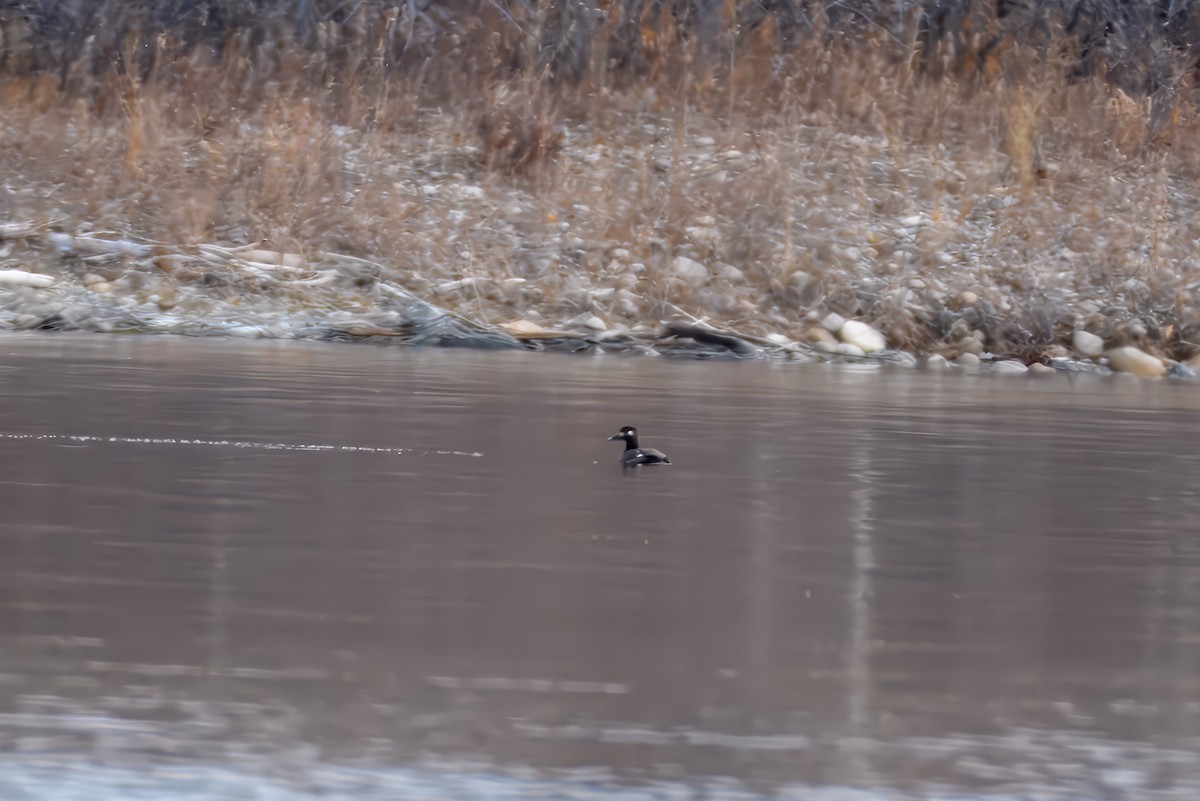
[[1030, 218]]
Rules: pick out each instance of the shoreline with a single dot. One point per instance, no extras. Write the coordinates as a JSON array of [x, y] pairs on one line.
[[812, 201], [36, 301]]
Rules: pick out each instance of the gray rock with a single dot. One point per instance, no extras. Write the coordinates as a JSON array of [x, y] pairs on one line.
[[833, 322], [1180, 370]]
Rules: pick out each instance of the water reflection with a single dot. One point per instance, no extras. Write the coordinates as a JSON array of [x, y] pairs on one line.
[[885, 583]]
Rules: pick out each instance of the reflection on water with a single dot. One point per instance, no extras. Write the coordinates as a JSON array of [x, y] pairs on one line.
[[851, 584]]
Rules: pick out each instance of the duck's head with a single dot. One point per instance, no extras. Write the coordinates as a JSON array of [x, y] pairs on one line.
[[627, 433]]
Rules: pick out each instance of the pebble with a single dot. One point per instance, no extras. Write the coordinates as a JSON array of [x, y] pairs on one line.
[[595, 323], [862, 336], [967, 298], [967, 360], [1037, 368], [1087, 344], [691, 271], [1129, 359]]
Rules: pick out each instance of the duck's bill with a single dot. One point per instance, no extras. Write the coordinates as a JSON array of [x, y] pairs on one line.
[[616, 436]]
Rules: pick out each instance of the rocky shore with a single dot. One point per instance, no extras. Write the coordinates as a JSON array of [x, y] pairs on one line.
[[830, 205], [817, 245]]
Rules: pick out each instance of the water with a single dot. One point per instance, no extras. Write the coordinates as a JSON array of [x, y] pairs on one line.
[[290, 571]]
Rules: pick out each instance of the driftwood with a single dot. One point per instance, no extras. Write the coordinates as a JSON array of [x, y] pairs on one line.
[[707, 336]]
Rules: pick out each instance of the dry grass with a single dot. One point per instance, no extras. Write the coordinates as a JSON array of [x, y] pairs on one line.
[[999, 193]]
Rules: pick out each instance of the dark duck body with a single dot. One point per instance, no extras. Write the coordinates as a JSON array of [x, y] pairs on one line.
[[634, 455]]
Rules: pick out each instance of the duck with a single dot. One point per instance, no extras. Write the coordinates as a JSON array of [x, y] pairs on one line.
[[633, 455]]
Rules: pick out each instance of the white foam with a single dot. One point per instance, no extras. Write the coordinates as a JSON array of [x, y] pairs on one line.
[[81, 439]]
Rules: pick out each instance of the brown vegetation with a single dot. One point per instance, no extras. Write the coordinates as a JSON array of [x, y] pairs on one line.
[[1002, 172]]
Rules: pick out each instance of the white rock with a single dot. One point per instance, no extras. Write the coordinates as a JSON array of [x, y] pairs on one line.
[[833, 322], [775, 338], [1087, 343], [473, 192], [848, 349], [1037, 368], [23, 278], [861, 335], [595, 323], [936, 362], [691, 271], [1009, 367], [1131, 360]]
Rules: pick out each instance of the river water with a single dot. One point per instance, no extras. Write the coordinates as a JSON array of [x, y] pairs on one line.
[[287, 570]]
